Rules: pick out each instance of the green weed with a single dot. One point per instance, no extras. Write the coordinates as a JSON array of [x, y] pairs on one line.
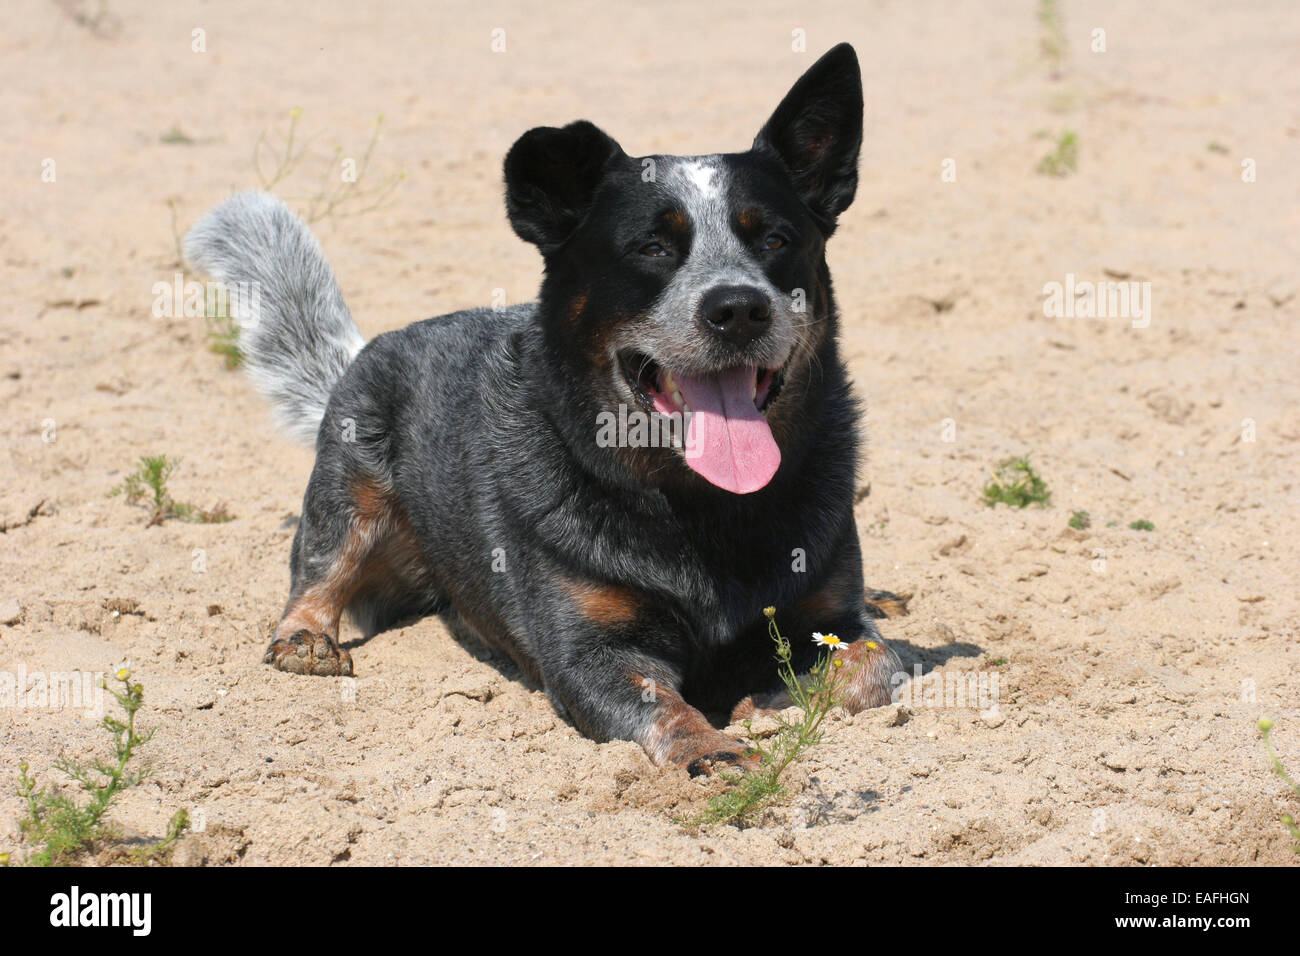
[[1016, 484], [1288, 821], [177, 137], [56, 827], [147, 485], [1051, 37], [1063, 160], [276, 157], [223, 334]]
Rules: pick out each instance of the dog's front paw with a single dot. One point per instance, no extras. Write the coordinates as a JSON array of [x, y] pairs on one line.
[[303, 652], [708, 753], [865, 675], [742, 758]]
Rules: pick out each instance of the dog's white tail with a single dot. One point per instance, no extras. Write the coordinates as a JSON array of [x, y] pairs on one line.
[[299, 338]]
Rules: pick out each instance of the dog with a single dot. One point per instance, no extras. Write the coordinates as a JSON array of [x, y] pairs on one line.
[[468, 466]]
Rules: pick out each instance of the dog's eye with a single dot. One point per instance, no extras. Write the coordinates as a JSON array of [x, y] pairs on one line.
[[773, 242], [653, 249]]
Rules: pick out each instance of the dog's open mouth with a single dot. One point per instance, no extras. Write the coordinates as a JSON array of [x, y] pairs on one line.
[[658, 390], [727, 441]]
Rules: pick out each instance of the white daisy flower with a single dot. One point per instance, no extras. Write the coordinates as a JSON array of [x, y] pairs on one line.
[[828, 640]]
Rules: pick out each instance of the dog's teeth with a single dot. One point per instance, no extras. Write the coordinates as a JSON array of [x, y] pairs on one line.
[[669, 385], [677, 398]]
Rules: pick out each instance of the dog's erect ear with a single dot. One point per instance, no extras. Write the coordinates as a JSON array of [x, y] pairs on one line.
[[817, 132], [551, 176]]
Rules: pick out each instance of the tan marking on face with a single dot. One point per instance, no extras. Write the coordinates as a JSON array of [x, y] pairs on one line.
[[675, 219], [748, 219], [598, 343], [577, 304]]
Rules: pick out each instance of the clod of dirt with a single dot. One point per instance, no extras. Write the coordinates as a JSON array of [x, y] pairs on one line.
[[11, 612], [123, 605]]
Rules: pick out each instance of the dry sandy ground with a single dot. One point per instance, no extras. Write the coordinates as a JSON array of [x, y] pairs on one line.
[[1126, 727]]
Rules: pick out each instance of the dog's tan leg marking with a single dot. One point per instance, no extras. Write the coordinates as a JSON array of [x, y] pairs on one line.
[[680, 734], [756, 705], [306, 639], [838, 595], [887, 604], [603, 604]]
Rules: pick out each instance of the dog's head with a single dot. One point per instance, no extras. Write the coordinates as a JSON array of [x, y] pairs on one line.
[[695, 284]]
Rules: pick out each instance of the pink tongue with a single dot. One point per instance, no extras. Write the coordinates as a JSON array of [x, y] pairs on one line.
[[729, 443]]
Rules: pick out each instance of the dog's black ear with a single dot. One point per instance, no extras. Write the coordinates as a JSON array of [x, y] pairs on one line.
[[817, 132], [551, 176]]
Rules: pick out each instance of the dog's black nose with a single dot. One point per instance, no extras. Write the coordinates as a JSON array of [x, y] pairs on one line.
[[738, 313]]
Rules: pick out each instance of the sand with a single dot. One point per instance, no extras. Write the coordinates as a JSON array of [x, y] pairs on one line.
[[1131, 665]]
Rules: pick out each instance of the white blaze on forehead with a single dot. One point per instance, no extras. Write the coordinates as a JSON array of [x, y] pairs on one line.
[[717, 256], [697, 181], [702, 177]]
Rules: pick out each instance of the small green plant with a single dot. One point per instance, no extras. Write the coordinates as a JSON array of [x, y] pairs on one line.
[[1080, 520], [1288, 821], [285, 159], [178, 243], [1051, 40], [815, 695], [1142, 524], [147, 485], [57, 827], [1064, 159], [176, 136], [1016, 484], [161, 852], [223, 334], [332, 199]]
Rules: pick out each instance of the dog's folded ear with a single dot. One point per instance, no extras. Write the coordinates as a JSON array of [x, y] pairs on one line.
[[551, 176], [817, 133]]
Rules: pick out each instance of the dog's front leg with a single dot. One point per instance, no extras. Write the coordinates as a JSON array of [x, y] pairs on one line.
[[611, 670], [612, 692]]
